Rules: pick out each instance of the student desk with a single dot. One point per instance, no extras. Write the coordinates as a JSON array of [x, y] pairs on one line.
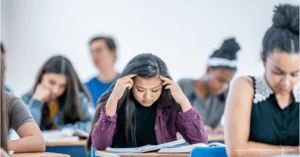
[[152, 154], [73, 143], [43, 154], [74, 148], [216, 138], [211, 138]]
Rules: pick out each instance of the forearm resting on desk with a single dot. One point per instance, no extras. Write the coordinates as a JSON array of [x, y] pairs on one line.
[[27, 144], [31, 139]]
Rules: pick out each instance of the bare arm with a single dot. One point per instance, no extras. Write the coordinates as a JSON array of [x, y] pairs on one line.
[[31, 139], [237, 124]]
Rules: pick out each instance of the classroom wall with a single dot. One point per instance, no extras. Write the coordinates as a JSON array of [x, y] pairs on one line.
[[182, 32]]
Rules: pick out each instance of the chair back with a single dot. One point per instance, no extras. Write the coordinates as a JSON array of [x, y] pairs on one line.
[[208, 151]]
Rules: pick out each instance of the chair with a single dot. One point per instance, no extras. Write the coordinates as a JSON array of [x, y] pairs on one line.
[[93, 150], [209, 151]]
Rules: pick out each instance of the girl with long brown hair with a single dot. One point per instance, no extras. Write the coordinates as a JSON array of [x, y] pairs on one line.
[[58, 99]]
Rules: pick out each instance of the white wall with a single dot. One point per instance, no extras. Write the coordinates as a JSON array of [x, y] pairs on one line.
[[182, 32]]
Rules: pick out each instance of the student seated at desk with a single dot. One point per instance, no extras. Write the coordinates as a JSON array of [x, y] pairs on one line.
[[59, 100], [208, 94], [262, 112], [144, 107], [16, 115]]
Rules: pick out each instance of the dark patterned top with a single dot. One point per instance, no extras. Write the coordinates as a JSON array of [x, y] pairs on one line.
[[269, 123]]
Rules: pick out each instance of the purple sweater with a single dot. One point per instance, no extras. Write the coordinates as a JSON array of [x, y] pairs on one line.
[[168, 122]]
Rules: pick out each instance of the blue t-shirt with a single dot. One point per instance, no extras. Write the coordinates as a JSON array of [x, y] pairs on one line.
[[97, 88]]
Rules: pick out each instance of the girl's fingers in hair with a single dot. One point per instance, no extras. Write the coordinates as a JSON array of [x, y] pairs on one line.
[[129, 80], [129, 85], [163, 78], [166, 80], [126, 82], [167, 83], [130, 76], [169, 87]]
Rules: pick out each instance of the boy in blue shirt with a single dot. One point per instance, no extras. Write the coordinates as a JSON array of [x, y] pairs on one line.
[[103, 50]]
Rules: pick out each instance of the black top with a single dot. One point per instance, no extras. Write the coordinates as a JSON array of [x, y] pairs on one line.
[[144, 119], [269, 123]]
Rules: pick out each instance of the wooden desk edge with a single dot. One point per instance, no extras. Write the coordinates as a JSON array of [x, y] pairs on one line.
[[148, 154], [41, 154], [72, 143]]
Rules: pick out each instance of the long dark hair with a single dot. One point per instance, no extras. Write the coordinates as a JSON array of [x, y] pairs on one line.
[[70, 100], [4, 118], [145, 66], [284, 33]]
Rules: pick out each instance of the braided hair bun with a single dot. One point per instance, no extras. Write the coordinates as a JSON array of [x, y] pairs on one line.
[[284, 33], [286, 17], [228, 50]]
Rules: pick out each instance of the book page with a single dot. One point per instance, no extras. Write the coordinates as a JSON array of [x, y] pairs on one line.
[[148, 148], [81, 133], [64, 135], [183, 149]]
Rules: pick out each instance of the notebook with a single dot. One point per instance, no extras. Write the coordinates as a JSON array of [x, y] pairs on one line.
[[189, 148], [64, 135], [148, 148]]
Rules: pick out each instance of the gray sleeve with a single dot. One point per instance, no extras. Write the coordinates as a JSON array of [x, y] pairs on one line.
[[184, 84], [19, 114], [187, 87]]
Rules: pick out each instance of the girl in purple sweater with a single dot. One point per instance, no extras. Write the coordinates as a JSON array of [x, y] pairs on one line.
[[144, 106]]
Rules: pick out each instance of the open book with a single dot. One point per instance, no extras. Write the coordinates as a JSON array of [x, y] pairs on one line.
[[148, 148], [189, 148], [80, 133], [64, 135]]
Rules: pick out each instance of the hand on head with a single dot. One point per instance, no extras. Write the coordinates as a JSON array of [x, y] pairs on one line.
[[121, 85], [127, 82], [175, 89], [41, 93]]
